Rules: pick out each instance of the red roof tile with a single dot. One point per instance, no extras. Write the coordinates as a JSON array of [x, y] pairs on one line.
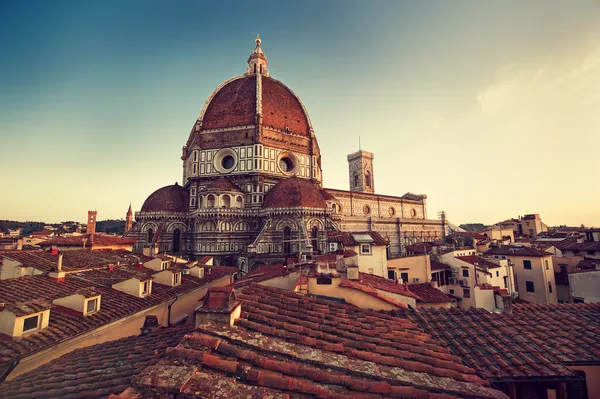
[[64, 325], [517, 251], [347, 237], [233, 105], [100, 370], [172, 198], [281, 109], [478, 261], [87, 240], [223, 184], [289, 345], [356, 285], [294, 192], [428, 294], [384, 284]]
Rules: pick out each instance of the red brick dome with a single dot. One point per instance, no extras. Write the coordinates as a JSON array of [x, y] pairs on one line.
[[167, 199], [235, 104], [294, 192]]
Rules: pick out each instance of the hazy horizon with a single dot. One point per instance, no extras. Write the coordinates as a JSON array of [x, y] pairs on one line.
[[489, 108]]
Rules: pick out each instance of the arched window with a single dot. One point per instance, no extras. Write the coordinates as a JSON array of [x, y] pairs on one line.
[[254, 68], [201, 201], [287, 237], [150, 237], [238, 201], [356, 180], [176, 240], [208, 226], [210, 201], [334, 208], [260, 68], [225, 226], [226, 200], [314, 235], [368, 178]]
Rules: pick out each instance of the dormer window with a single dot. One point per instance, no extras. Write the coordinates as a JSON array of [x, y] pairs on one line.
[[164, 266], [145, 288], [176, 279], [91, 305], [31, 323]]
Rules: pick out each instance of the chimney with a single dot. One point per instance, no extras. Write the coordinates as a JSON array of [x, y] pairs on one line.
[[352, 273], [54, 250], [59, 263], [507, 303], [219, 305], [150, 324]]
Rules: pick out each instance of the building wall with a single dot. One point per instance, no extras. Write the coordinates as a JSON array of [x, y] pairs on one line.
[[539, 275], [592, 376], [351, 296], [375, 263], [416, 267], [125, 327], [585, 285]]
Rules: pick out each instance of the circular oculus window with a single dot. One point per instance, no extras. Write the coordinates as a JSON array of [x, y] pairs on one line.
[[225, 160], [367, 209], [287, 163], [392, 211], [413, 212]]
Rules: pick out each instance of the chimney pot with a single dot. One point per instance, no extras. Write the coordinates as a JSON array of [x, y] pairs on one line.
[[60, 261]]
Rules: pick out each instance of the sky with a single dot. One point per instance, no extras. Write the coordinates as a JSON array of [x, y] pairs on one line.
[[492, 109]]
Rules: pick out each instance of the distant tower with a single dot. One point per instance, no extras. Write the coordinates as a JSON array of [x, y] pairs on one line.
[[129, 219], [360, 168], [91, 223], [257, 62]]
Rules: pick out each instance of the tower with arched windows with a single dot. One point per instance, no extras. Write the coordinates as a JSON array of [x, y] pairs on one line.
[[360, 170]]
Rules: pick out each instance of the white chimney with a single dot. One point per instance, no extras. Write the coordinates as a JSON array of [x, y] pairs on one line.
[[59, 264]]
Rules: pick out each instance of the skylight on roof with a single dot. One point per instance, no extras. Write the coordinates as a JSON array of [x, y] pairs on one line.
[[362, 237]]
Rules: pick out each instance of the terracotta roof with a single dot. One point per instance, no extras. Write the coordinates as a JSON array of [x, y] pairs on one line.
[[65, 324], [263, 273], [496, 345], [367, 289], [288, 345], [167, 199], [582, 246], [294, 192], [588, 264], [428, 294], [384, 284], [281, 109], [223, 184], [420, 248], [74, 260], [87, 240], [42, 233], [517, 251], [327, 196], [436, 266], [347, 237], [478, 260], [95, 371], [233, 105], [332, 257]]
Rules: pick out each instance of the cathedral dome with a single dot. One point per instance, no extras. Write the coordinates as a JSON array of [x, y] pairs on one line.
[[234, 103], [167, 199], [294, 192], [255, 98]]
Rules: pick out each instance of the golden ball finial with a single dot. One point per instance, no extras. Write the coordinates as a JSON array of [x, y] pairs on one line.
[[257, 39]]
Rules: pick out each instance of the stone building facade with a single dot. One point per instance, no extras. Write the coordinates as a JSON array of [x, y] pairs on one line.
[[252, 184]]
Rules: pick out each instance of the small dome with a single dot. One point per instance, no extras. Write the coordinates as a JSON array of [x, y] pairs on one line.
[[294, 192], [167, 199], [223, 184]]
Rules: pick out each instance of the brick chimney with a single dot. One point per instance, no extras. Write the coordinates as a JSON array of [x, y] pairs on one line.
[[219, 305], [58, 274]]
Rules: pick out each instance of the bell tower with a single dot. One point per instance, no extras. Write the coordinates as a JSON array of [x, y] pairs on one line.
[[91, 222], [129, 219], [360, 170]]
